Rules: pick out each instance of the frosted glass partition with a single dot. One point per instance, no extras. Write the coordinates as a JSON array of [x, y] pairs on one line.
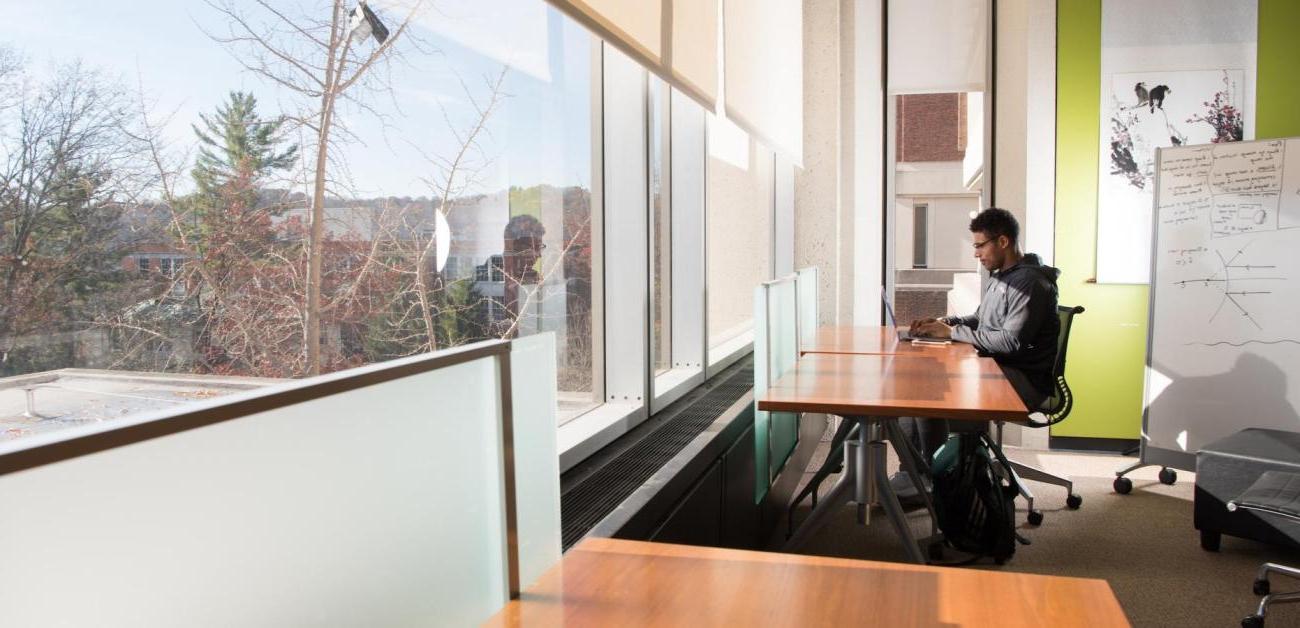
[[806, 281], [775, 352], [374, 496], [537, 462]]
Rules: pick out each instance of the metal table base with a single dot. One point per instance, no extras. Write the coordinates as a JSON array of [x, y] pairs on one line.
[[865, 482]]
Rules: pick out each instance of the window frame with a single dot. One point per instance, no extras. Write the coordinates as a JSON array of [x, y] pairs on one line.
[[622, 221]]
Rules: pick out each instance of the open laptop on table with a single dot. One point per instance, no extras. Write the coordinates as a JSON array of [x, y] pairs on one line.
[[904, 333]]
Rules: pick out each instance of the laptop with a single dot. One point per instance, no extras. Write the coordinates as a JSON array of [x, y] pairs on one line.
[[903, 332]]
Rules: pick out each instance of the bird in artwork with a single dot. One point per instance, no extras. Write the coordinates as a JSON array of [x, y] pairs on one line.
[[1158, 94], [1141, 90]]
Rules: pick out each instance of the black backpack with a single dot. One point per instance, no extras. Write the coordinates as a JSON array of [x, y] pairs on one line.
[[975, 504]]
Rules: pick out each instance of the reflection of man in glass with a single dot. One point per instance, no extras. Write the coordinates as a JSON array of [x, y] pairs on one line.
[[523, 247]]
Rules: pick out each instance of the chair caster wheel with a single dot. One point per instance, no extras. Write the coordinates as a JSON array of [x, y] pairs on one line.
[[1252, 621], [1261, 587], [1123, 486], [1035, 518], [1168, 476], [1073, 501]]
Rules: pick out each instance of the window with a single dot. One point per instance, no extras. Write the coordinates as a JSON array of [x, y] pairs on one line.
[[485, 182], [456, 195], [935, 127], [920, 234], [738, 225], [938, 176]]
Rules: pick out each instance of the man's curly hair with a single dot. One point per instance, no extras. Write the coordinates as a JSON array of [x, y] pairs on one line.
[[995, 222]]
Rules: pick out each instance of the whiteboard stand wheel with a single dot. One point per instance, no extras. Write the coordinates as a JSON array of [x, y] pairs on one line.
[[1168, 476], [1123, 486]]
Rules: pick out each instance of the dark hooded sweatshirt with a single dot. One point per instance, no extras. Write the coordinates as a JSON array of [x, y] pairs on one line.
[[1017, 324]]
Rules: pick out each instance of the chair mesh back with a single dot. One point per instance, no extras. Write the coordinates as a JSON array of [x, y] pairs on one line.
[[1060, 402], [1066, 315]]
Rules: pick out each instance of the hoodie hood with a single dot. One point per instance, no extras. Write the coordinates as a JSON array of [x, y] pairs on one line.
[[1031, 262]]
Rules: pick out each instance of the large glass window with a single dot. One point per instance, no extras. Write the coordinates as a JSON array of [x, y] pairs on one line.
[[938, 177], [222, 193], [739, 231]]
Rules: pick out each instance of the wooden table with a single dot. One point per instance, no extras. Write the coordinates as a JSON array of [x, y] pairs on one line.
[[942, 386], [609, 582], [877, 339], [873, 391]]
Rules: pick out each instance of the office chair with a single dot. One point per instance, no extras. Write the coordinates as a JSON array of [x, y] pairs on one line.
[[1273, 500], [1056, 408]]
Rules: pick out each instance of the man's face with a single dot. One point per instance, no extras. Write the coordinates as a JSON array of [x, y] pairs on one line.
[[991, 251]]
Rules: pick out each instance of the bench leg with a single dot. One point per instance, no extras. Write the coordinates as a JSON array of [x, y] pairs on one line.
[[1210, 540]]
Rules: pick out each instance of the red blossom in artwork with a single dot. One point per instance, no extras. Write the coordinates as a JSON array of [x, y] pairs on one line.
[[1222, 115]]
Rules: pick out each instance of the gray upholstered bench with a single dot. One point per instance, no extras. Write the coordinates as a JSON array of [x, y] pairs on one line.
[[1229, 470]]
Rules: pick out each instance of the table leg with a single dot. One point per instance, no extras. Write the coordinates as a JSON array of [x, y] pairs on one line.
[[837, 446], [839, 494], [864, 491], [908, 459], [880, 478]]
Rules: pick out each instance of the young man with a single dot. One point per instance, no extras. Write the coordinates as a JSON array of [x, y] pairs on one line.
[[1016, 322]]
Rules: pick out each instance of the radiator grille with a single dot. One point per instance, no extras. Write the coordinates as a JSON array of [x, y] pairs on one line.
[[585, 502]]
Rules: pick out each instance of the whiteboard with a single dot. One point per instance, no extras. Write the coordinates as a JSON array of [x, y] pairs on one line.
[[1223, 352]]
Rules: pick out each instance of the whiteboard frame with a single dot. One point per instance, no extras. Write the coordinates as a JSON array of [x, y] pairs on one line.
[[1148, 453]]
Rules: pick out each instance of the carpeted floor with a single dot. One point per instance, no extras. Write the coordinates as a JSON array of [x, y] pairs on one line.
[[1143, 544]]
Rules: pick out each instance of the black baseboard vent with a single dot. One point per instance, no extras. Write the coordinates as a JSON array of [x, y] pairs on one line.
[[596, 486], [1087, 443]]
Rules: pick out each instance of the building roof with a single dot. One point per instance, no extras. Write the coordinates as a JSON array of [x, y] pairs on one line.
[[70, 397]]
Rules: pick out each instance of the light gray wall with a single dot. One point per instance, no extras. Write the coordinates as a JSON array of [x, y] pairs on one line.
[[838, 192], [817, 230], [1026, 119], [868, 162], [1026, 136]]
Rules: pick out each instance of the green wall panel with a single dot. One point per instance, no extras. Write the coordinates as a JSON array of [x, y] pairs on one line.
[[1108, 342], [1278, 91]]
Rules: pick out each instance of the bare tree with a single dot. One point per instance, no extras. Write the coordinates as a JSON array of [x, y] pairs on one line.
[[318, 59], [67, 170]]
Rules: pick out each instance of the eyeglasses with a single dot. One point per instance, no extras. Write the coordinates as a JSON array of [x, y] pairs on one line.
[[980, 245]]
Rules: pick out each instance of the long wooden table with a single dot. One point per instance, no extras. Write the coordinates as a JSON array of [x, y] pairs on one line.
[[609, 582], [873, 390], [876, 340], [855, 384]]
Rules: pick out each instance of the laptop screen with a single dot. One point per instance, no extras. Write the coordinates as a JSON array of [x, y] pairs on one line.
[[889, 308]]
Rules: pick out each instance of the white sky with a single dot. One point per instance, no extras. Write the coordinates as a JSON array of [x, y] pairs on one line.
[[161, 45]]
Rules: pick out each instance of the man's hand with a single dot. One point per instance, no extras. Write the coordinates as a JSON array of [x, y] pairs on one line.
[[932, 328], [915, 327]]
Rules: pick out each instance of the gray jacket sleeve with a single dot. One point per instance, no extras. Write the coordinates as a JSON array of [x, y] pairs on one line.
[[1026, 310], [970, 320]]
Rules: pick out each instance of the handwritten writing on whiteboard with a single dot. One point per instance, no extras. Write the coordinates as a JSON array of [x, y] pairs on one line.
[[1238, 185]]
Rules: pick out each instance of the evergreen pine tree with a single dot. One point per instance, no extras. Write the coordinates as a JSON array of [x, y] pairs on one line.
[[236, 144]]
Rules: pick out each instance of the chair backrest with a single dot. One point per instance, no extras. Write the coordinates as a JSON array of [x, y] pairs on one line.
[[1062, 399]]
